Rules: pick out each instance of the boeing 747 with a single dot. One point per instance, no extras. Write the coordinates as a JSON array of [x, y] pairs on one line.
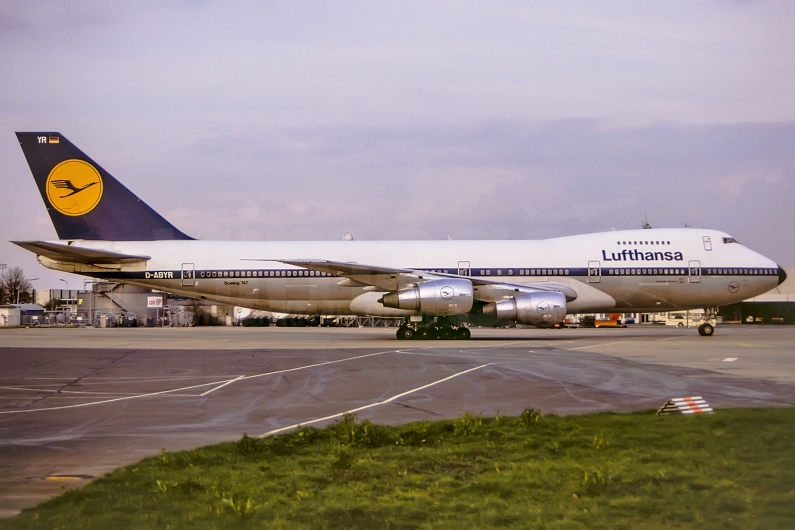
[[436, 287]]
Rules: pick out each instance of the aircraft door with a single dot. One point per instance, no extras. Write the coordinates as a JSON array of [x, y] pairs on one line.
[[464, 268], [594, 272], [695, 271], [188, 274]]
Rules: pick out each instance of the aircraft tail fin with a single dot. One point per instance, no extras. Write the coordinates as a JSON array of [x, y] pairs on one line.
[[85, 201]]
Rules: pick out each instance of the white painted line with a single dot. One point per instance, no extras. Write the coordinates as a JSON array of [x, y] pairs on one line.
[[597, 345], [28, 389], [320, 364], [150, 394], [384, 402], [222, 385], [730, 359], [136, 396], [48, 391], [509, 343]]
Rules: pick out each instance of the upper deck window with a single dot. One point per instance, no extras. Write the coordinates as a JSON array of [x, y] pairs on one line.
[[729, 240]]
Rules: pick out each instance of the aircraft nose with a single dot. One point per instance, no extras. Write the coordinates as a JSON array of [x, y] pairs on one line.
[[781, 275]]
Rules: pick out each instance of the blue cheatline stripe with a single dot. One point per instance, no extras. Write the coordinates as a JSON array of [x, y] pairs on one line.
[[492, 273]]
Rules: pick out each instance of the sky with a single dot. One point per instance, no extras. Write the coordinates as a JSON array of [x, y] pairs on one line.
[[410, 120]]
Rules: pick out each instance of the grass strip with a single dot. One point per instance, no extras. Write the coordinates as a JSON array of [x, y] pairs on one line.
[[731, 469]]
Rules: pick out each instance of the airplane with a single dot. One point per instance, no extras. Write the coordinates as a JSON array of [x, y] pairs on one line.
[[438, 288]]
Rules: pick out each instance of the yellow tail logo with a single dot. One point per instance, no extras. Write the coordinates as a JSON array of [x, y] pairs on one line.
[[74, 187]]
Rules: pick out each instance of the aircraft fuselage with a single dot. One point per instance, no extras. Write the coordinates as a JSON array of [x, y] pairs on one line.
[[638, 270]]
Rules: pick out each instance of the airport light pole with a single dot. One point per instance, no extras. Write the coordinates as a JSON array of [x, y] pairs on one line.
[[68, 293], [30, 280], [90, 299]]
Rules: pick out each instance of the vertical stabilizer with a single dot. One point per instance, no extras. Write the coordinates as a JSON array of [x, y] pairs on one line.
[[85, 201]]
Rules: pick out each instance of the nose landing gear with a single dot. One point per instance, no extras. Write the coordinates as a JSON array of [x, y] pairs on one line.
[[707, 329]]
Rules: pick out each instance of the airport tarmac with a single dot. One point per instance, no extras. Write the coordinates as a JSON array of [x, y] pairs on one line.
[[77, 403]]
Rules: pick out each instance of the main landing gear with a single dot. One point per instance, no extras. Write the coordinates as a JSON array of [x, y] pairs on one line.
[[436, 329], [707, 329]]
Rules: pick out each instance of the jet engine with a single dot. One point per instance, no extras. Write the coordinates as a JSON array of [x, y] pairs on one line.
[[444, 297], [541, 309]]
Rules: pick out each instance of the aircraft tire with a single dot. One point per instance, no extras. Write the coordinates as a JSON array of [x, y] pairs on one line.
[[462, 334], [706, 330], [405, 333], [445, 333]]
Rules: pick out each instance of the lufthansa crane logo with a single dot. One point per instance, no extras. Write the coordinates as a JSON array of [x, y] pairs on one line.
[[447, 292], [543, 308], [74, 187]]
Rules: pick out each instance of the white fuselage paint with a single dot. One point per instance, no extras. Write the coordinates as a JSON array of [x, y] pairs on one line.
[[639, 270]]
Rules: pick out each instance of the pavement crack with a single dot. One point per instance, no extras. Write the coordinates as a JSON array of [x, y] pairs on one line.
[[76, 381]]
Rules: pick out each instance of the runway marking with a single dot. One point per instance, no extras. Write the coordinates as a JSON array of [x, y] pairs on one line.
[[222, 385], [597, 345], [507, 344], [28, 389], [319, 364], [730, 359], [121, 378], [46, 391], [150, 394], [384, 402]]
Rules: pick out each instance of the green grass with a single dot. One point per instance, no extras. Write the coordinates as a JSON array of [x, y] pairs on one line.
[[731, 469]]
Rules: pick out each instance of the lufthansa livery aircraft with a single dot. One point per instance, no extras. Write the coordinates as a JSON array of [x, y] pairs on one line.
[[106, 232]]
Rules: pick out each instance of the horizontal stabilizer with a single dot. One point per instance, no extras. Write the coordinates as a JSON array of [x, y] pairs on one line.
[[71, 253]]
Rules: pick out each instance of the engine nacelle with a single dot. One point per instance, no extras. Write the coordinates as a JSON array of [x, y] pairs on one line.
[[542, 309], [452, 296]]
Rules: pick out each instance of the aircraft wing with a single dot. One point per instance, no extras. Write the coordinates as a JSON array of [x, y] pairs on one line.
[[72, 253], [393, 279]]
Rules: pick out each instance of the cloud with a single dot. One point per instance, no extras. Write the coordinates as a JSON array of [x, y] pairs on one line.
[[246, 119]]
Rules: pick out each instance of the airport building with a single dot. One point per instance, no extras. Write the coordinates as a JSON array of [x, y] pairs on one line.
[[21, 315]]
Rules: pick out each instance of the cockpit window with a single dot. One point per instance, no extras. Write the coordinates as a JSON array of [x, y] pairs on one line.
[[729, 240]]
